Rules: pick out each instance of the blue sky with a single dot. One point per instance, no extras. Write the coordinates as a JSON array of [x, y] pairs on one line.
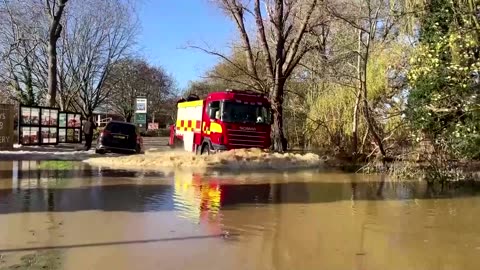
[[170, 25]]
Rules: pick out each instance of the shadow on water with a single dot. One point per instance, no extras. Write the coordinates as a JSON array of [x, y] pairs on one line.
[[44, 186], [102, 244], [165, 197]]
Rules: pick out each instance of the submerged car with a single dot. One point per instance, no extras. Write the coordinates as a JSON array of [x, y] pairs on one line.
[[119, 137]]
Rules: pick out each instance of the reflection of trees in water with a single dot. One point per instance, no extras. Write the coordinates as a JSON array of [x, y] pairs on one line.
[[6, 171], [53, 172], [284, 230], [51, 201], [122, 197], [382, 189], [46, 175], [26, 200], [48, 190]]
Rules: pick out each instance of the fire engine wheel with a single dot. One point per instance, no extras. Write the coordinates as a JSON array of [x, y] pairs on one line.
[[205, 150]]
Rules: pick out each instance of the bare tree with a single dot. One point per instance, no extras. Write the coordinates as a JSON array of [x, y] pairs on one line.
[[93, 43], [55, 10], [373, 21], [130, 78], [21, 38], [161, 95], [61, 54], [68, 89], [280, 34]]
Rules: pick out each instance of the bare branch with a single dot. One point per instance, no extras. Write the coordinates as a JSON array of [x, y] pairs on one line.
[[293, 54], [263, 39], [231, 80], [235, 9], [246, 72]]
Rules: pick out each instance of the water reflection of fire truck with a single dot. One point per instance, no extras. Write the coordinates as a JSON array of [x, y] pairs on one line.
[[198, 200]]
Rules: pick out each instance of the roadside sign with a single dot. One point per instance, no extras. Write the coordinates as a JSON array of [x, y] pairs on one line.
[[141, 118], [141, 105], [152, 126], [141, 121], [141, 113], [6, 126]]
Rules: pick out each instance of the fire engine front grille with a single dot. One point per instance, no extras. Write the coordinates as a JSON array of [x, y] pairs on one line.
[[245, 139]]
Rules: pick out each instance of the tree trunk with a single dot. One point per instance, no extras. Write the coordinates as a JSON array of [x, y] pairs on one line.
[[29, 83], [371, 128], [365, 136], [29, 99], [61, 88], [366, 108], [279, 142], [357, 98], [52, 71], [370, 121], [355, 123], [54, 35], [278, 137]]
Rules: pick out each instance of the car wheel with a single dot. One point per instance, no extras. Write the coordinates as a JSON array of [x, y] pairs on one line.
[[100, 151], [205, 149]]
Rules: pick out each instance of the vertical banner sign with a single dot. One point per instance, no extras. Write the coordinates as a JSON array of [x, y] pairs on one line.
[[6, 126], [141, 105], [141, 113]]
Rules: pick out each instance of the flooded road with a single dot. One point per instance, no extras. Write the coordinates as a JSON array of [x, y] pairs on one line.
[[68, 215]]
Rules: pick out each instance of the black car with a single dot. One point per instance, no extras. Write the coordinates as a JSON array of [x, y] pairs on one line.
[[119, 136]]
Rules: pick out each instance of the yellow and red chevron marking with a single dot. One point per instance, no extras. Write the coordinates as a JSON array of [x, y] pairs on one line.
[[205, 129], [189, 125]]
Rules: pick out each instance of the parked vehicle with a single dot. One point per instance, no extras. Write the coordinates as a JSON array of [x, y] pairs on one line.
[[225, 120], [119, 136]]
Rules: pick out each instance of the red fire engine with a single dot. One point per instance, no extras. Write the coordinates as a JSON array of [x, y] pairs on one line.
[[225, 120]]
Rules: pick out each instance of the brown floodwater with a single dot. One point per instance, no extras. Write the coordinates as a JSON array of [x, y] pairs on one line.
[[69, 215]]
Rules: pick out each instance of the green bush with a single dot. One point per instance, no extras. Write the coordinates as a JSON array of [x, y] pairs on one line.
[[444, 101]]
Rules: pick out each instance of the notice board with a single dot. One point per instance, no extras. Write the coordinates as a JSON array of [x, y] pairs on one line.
[[69, 127], [6, 126], [38, 125]]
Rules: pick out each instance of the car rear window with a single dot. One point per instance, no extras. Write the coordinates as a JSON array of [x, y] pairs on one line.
[[121, 128]]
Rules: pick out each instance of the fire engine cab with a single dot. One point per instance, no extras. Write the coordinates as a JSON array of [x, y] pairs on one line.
[[225, 120]]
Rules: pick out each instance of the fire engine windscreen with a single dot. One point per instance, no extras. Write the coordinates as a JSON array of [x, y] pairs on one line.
[[234, 112]]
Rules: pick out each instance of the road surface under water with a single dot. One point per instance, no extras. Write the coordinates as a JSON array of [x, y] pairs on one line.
[[68, 215]]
